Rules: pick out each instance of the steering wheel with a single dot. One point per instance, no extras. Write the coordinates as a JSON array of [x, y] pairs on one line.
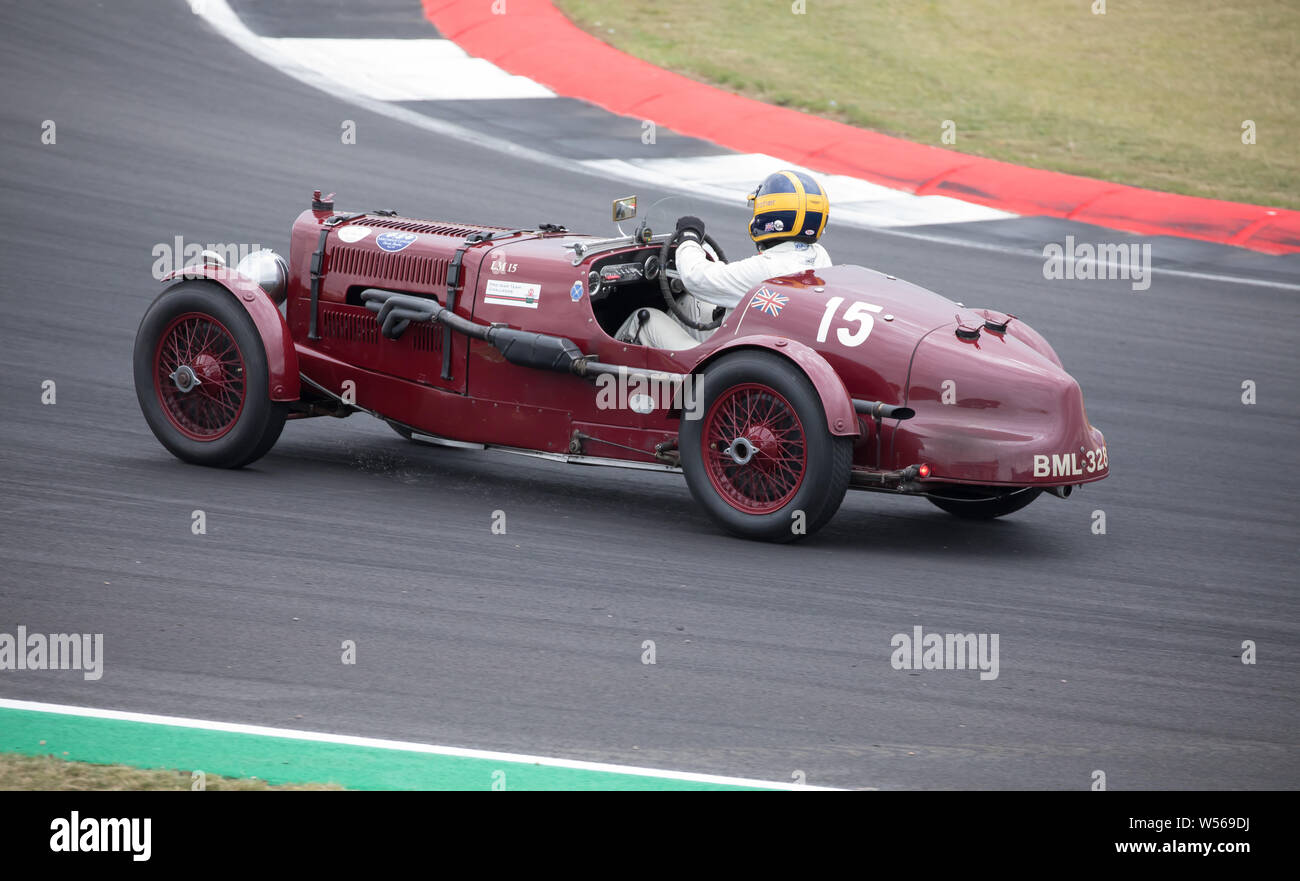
[[671, 286]]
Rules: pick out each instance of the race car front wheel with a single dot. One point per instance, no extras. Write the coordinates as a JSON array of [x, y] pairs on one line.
[[201, 378], [987, 509], [759, 457]]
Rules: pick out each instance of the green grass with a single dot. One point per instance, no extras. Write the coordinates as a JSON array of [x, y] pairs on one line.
[[1153, 93], [51, 773], [113, 750]]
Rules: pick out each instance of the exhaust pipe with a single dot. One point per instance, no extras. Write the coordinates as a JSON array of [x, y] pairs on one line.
[[395, 311], [881, 410], [1061, 492]]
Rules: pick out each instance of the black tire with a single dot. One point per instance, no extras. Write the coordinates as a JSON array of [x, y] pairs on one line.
[[987, 509], [827, 459], [245, 435]]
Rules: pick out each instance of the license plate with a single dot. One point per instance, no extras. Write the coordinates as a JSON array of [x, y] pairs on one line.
[[1072, 464]]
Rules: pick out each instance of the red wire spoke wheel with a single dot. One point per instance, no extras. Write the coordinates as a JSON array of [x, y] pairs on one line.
[[202, 379], [755, 449], [761, 460], [199, 376]]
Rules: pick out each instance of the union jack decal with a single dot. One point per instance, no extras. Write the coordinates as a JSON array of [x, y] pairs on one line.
[[769, 302]]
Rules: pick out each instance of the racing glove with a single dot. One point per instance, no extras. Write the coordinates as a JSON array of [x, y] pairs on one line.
[[692, 226]]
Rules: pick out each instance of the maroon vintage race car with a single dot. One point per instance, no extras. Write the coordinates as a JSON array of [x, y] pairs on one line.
[[488, 337]]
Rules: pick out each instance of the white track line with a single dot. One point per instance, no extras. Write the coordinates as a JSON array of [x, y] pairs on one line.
[[405, 746], [732, 177], [1013, 251], [406, 70]]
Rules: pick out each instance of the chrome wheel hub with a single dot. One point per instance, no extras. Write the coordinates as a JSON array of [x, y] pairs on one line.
[[184, 378], [741, 450]]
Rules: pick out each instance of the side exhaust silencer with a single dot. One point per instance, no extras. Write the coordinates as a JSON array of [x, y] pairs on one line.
[[395, 311]]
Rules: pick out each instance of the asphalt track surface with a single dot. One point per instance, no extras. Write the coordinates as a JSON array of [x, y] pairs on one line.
[[1118, 651]]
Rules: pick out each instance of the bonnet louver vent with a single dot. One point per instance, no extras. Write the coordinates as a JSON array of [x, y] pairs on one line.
[[345, 325], [361, 327], [410, 268], [425, 337], [427, 227]]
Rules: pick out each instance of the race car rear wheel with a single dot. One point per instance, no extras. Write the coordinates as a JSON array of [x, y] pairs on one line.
[[760, 459], [201, 378], [987, 509]]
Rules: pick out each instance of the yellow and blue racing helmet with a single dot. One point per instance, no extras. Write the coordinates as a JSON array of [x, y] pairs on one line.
[[789, 206]]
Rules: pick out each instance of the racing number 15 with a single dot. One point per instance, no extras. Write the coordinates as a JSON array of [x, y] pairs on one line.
[[858, 312]]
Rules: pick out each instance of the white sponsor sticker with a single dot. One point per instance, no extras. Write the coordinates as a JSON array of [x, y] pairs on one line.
[[353, 233], [512, 293], [641, 403]]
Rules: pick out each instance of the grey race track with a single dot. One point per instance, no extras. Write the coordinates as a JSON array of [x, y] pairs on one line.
[[1118, 651]]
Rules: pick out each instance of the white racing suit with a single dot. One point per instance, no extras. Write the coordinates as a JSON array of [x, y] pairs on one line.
[[710, 284]]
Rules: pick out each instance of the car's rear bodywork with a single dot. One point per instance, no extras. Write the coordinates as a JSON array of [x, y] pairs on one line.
[[987, 400]]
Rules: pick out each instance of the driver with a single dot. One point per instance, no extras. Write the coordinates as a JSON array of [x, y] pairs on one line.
[[790, 210]]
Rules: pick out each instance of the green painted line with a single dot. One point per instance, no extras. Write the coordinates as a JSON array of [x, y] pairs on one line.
[[286, 759]]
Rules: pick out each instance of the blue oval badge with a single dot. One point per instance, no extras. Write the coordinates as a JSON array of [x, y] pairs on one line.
[[395, 241], [575, 292]]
